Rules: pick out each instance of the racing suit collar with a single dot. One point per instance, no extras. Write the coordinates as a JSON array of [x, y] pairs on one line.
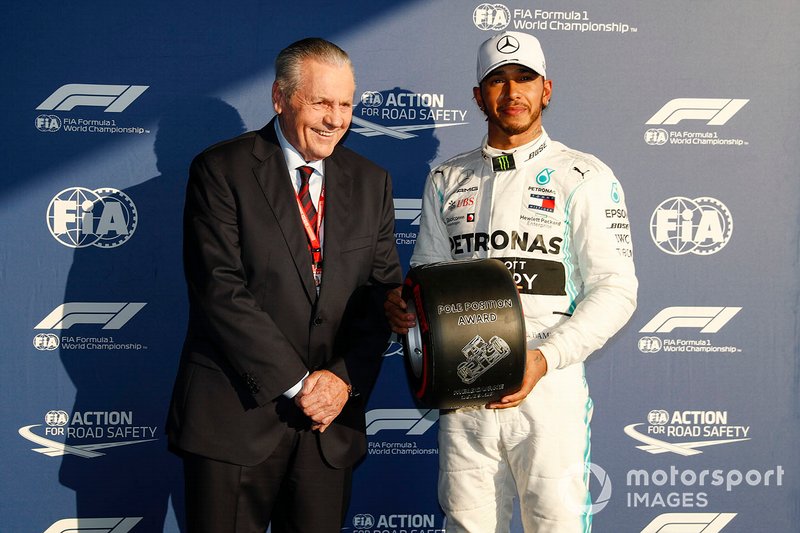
[[502, 160]]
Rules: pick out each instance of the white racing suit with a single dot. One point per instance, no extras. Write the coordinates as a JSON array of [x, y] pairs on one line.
[[557, 218]]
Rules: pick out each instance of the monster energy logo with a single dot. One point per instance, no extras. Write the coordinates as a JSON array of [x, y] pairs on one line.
[[503, 162]]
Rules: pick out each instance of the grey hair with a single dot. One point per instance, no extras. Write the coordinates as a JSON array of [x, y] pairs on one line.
[[289, 60]]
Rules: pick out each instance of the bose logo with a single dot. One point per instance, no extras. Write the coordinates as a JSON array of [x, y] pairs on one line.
[[112, 315], [95, 525], [416, 421], [408, 209], [115, 98], [689, 522], [709, 319], [716, 110]]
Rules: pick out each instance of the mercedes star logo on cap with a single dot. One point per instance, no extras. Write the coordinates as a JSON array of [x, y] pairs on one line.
[[507, 45]]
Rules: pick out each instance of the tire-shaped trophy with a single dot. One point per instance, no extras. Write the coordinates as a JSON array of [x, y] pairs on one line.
[[468, 347]]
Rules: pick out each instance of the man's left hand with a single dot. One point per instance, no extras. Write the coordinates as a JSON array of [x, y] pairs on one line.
[[322, 398], [535, 368]]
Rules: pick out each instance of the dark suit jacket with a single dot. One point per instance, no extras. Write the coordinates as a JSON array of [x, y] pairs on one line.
[[256, 325]]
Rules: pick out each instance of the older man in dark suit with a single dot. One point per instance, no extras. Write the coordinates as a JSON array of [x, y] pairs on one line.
[[288, 251]]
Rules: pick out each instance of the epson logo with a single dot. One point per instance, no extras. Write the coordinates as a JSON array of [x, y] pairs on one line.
[[707, 319], [689, 522], [94, 525], [114, 98], [408, 209], [717, 111], [79, 217], [112, 315], [412, 421]]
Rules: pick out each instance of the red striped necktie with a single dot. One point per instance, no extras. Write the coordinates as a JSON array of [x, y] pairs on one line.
[[305, 195]]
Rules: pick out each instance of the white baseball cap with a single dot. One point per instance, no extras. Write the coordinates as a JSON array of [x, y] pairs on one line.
[[510, 47]]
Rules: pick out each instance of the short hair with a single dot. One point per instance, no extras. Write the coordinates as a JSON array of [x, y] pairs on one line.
[[287, 64]]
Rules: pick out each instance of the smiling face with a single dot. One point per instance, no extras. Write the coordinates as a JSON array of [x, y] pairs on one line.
[[317, 114], [512, 97]]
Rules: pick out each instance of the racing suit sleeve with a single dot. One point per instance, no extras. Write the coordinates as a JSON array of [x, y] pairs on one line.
[[433, 241], [600, 242]]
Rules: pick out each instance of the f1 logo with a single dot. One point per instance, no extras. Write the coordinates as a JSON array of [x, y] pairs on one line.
[[709, 319], [115, 98], [416, 421], [408, 209], [111, 315], [689, 523], [716, 110], [96, 525]]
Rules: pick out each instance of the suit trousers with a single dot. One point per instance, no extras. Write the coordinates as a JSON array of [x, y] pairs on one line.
[[294, 490]]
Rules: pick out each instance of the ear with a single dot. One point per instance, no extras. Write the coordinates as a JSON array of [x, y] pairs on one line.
[[547, 92], [476, 93], [277, 98]]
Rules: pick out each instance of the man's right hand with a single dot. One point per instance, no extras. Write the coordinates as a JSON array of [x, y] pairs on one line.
[[396, 312]]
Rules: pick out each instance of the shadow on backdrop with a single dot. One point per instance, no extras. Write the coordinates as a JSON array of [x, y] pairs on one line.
[[404, 143], [123, 392], [176, 48]]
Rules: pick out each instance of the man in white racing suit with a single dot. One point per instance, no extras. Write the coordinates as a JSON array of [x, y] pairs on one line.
[[557, 218]]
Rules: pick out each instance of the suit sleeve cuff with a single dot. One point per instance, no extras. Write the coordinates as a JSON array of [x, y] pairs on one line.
[[291, 393]]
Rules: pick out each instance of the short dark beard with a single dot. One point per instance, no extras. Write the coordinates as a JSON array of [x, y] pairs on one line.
[[510, 130]]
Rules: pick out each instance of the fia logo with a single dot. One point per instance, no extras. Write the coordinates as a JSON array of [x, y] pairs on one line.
[[48, 123], [79, 217], [493, 17], [701, 226], [46, 342]]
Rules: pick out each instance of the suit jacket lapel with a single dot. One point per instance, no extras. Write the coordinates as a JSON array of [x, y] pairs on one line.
[[272, 175]]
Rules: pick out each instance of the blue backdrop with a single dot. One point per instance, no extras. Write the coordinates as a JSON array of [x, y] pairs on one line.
[[693, 104]]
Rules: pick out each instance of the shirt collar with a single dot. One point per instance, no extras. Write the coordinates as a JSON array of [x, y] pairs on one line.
[[293, 157], [510, 159]]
